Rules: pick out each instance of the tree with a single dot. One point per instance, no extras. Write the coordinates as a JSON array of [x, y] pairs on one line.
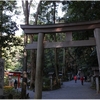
[[75, 11], [26, 10], [7, 32], [13, 55], [8, 27], [48, 15]]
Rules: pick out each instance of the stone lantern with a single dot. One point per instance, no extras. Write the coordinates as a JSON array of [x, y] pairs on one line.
[[50, 76]]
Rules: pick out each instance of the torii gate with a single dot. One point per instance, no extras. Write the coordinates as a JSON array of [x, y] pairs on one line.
[[41, 30]]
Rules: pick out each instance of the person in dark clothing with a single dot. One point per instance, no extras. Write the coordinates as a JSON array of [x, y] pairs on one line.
[[82, 79], [15, 84], [28, 84], [85, 78]]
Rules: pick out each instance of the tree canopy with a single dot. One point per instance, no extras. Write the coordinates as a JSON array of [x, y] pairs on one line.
[[78, 11], [8, 40]]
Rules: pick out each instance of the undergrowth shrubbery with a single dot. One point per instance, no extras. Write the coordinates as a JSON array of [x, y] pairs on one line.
[[11, 90]]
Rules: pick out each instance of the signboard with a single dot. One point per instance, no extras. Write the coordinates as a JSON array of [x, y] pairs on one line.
[[1, 76]]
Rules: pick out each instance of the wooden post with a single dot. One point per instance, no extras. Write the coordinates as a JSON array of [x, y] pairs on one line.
[[56, 62], [39, 67], [92, 81], [97, 39], [18, 80], [64, 62], [51, 82], [69, 36], [97, 84]]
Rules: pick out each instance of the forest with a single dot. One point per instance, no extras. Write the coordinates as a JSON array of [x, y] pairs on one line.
[[66, 60]]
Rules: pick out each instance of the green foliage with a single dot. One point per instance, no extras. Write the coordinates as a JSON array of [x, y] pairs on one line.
[[56, 85], [6, 81], [8, 42], [46, 84], [8, 27], [47, 12], [10, 90], [76, 11], [13, 55]]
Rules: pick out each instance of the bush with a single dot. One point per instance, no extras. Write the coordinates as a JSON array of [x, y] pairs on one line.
[[46, 84], [10, 90], [46, 88], [56, 85], [46, 81], [6, 81]]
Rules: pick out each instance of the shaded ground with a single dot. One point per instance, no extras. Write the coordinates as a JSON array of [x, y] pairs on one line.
[[70, 90]]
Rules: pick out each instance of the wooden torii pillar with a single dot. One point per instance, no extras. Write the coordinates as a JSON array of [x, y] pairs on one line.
[[97, 39], [39, 67]]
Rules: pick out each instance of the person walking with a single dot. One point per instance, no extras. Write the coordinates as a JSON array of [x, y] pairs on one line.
[[82, 79], [75, 78], [15, 84]]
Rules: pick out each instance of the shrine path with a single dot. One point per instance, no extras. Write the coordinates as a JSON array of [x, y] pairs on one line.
[[70, 90]]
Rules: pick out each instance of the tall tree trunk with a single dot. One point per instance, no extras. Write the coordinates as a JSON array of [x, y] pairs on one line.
[[33, 55], [64, 61], [55, 50], [26, 10], [1, 11], [36, 17], [33, 69], [24, 81], [33, 65], [56, 62]]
